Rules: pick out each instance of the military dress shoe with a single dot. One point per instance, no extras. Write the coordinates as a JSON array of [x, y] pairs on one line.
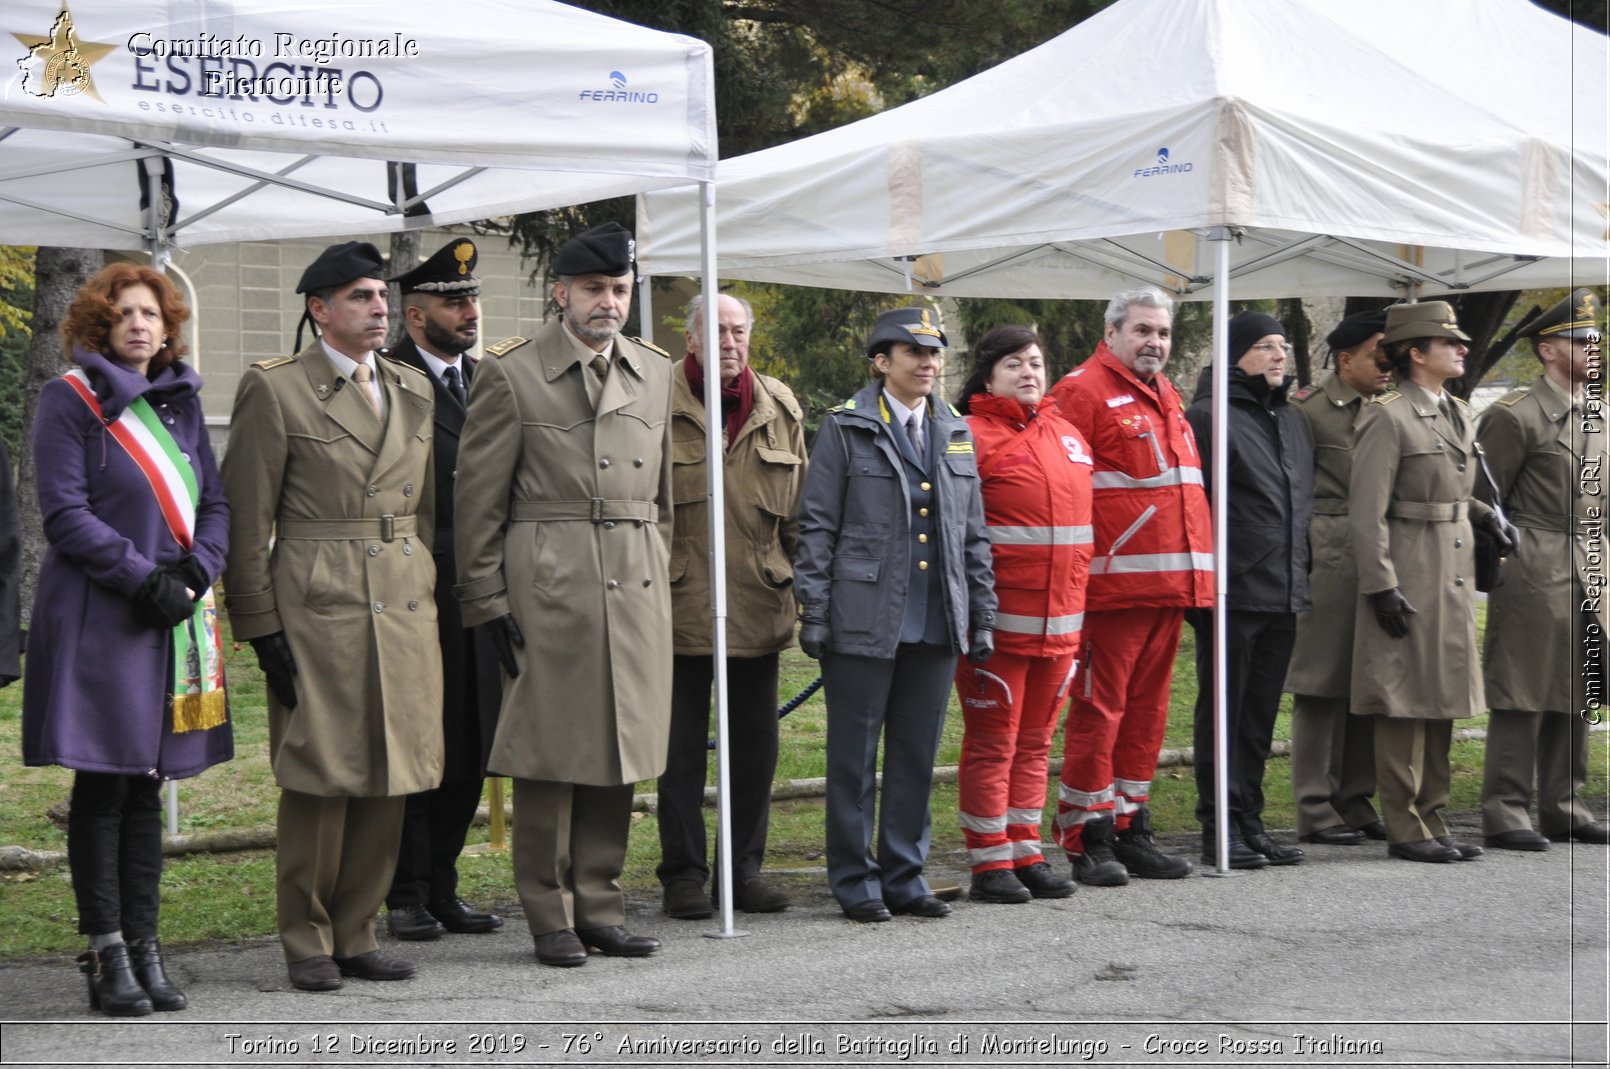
[[1276, 853], [413, 924], [315, 974], [1519, 839], [1467, 851], [1596, 832], [1338, 835], [614, 941], [376, 965], [755, 895], [685, 900], [457, 916], [872, 911], [1427, 850], [562, 949], [1375, 830], [924, 906], [1241, 855]]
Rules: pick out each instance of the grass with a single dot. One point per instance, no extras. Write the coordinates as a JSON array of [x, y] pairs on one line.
[[227, 897]]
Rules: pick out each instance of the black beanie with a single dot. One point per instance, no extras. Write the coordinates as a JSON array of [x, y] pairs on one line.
[[1248, 328]]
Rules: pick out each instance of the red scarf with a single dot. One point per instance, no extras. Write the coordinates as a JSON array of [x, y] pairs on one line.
[[737, 399]]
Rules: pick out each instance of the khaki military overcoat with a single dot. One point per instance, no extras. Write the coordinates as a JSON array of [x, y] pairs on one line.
[[1322, 659], [763, 471], [1550, 478], [1411, 512], [563, 518], [311, 477]]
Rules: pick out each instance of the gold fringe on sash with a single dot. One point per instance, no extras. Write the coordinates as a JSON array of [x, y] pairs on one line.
[[198, 712]]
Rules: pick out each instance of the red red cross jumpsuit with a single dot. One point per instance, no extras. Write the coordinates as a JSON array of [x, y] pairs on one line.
[[1035, 478], [1153, 559]]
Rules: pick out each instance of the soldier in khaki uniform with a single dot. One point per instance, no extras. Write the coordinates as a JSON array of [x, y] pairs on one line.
[[563, 508], [1542, 645], [329, 460], [1333, 753], [1414, 639], [763, 471]]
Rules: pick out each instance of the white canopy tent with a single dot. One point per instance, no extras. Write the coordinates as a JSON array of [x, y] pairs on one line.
[[128, 126], [1315, 147], [1357, 146]]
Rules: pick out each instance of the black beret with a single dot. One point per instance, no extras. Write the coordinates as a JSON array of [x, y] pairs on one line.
[[603, 250], [1576, 316], [1249, 328], [340, 264], [913, 325], [1356, 329], [449, 273]]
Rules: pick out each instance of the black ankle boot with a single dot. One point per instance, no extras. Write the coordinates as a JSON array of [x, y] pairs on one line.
[[113, 988], [146, 954]]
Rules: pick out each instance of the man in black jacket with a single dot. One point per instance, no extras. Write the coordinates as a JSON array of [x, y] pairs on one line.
[[1270, 498]]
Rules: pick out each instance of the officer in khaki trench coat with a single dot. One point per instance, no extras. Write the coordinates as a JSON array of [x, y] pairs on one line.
[[329, 463], [1414, 638], [563, 506], [1545, 631], [1332, 752]]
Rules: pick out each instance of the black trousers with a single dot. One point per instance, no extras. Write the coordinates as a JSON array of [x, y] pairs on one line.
[[114, 851], [435, 824], [752, 750], [1258, 648]]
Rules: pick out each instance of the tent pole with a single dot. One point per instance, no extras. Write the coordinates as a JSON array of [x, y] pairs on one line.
[[645, 308], [1221, 237], [154, 221], [715, 450]]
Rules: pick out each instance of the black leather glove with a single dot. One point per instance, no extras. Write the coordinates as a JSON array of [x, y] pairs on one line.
[[813, 638], [1504, 534], [279, 667], [981, 646], [505, 635], [191, 573], [1392, 611], [161, 602]]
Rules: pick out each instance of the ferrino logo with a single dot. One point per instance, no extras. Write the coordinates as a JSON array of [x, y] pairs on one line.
[[1162, 166], [619, 94]]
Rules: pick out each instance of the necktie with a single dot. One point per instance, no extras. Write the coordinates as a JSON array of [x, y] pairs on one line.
[[914, 434], [600, 366], [363, 375], [455, 385]]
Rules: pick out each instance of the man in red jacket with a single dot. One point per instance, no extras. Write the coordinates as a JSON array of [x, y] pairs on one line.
[[1153, 560]]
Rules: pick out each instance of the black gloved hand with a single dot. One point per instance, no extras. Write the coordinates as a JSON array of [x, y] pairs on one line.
[[813, 638], [161, 602], [1504, 534], [279, 667], [1392, 611], [505, 635], [194, 576], [980, 646]]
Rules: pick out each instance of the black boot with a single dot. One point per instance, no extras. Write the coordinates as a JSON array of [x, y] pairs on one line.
[[147, 957], [113, 988]]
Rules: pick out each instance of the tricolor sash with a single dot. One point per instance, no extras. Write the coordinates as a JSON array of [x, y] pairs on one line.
[[198, 649]]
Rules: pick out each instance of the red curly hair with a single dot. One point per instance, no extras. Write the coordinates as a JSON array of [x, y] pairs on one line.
[[89, 320]]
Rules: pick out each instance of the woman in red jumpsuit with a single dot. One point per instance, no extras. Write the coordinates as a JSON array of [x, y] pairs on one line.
[[1035, 477]]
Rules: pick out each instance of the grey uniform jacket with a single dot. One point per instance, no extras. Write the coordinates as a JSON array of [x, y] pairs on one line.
[[854, 556]]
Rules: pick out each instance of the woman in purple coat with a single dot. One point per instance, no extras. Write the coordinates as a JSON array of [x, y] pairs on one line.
[[123, 682]]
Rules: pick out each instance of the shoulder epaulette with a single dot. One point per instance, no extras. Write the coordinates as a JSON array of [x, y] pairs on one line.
[[507, 346], [406, 369], [650, 345], [1385, 398], [1305, 392], [1513, 397], [272, 362], [847, 406]]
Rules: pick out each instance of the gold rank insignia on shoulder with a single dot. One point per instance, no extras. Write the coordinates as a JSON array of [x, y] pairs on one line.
[[1513, 397], [848, 406], [959, 447], [272, 362], [507, 346], [650, 345], [1386, 398]]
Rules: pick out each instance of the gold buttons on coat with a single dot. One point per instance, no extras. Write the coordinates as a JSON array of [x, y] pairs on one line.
[[922, 538], [922, 512], [922, 566], [927, 486]]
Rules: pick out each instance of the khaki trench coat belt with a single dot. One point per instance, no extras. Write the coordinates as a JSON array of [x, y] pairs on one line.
[[1432, 511], [386, 528], [1532, 520], [593, 510], [1330, 506]]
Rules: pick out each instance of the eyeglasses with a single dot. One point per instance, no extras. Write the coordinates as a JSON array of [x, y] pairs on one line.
[[1272, 347]]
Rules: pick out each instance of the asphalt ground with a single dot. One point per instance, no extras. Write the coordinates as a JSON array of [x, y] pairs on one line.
[[1348, 959]]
